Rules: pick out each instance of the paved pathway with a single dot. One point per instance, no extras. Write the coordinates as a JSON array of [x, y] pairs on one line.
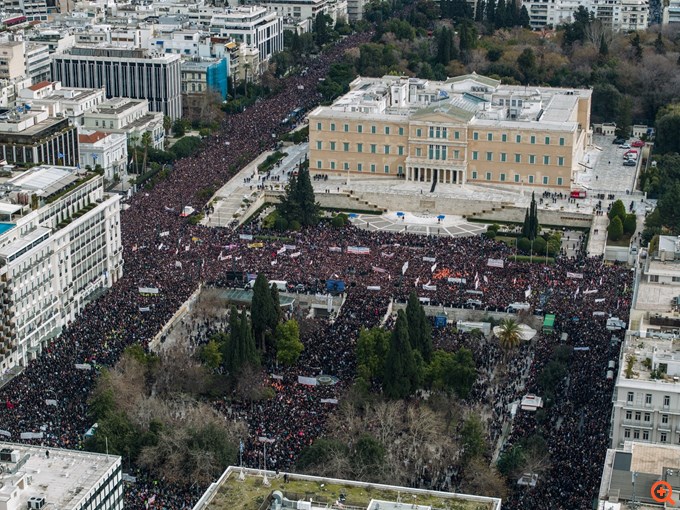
[[453, 226]]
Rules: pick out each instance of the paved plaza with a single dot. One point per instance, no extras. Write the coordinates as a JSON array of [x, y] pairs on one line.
[[452, 226]]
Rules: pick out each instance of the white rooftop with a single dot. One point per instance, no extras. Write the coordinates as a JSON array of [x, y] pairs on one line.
[[64, 478], [44, 179]]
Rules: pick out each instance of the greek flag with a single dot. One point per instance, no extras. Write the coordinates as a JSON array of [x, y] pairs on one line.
[[60, 155]]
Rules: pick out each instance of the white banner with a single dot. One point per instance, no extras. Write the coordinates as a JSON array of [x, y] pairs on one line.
[[178, 264], [309, 381], [144, 309], [429, 259], [404, 267], [83, 366], [387, 255], [246, 237], [50, 402], [373, 287], [600, 300], [164, 234], [433, 268], [457, 280], [575, 275], [590, 291], [148, 290], [329, 400], [429, 287], [527, 292], [277, 377], [31, 435], [336, 249], [289, 246], [295, 255], [5, 433], [280, 251], [378, 269], [495, 263], [358, 250]]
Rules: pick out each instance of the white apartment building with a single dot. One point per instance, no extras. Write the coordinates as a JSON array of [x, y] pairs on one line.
[[619, 15], [355, 9], [38, 62], [136, 74], [253, 26], [12, 61], [108, 150], [129, 116], [9, 90], [60, 101], [34, 477], [34, 10], [187, 43], [56, 39], [660, 278], [305, 9], [60, 245]]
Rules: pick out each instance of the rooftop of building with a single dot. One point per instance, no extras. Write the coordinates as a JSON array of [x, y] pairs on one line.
[[654, 358], [233, 493], [92, 137], [63, 477], [467, 98], [105, 50], [629, 474], [17, 122], [40, 85], [117, 105]]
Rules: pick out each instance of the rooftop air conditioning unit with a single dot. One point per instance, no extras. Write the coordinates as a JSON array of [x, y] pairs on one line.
[[36, 503]]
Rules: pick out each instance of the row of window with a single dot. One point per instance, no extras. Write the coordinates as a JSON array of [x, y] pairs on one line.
[[489, 176], [518, 158], [386, 149], [359, 167], [663, 436], [438, 132], [630, 398]]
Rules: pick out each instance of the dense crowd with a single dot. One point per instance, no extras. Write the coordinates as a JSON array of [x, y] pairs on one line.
[[155, 238]]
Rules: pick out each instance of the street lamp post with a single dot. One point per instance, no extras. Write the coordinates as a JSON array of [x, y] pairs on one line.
[[264, 441]]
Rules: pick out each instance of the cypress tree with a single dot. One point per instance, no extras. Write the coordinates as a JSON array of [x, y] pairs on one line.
[[309, 208], [401, 373], [248, 349], [499, 16], [479, 11], [233, 354], [261, 309], [276, 303]]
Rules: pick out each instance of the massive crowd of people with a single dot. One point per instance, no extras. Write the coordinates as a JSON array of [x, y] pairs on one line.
[[381, 267]]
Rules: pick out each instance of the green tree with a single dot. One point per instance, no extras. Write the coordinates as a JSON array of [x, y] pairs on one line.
[[372, 347], [615, 229], [400, 365], [320, 453], [211, 355], [248, 349], [531, 227], [187, 146], [630, 224], [524, 245], [261, 309], [233, 355], [473, 438], [299, 202], [524, 20], [508, 335], [288, 344], [419, 327], [321, 32], [167, 124], [368, 454], [667, 139], [527, 65], [146, 143], [637, 47], [276, 303], [624, 119], [668, 207], [617, 209], [452, 372], [179, 128]]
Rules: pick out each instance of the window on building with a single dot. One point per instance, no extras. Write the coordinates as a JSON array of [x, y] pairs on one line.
[[516, 177], [532, 139], [504, 137], [387, 169], [360, 147], [475, 155], [488, 176], [345, 146], [373, 167], [346, 128], [504, 157], [318, 126], [518, 158], [630, 397], [360, 167], [489, 156], [546, 180], [374, 148], [626, 433], [654, 278], [561, 141], [445, 133], [629, 415], [645, 435], [475, 135], [387, 149], [400, 150], [648, 417], [531, 179], [374, 130], [648, 399], [360, 128], [332, 126], [456, 154], [547, 140], [666, 400], [489, 137], [502, 176], [332, 146], [559, 181], [456, 135], [474, 174], [418, 152], [518, 138], [560, 160], [401, 131], [663, 437], [532, 159], [636, 434], [546, 160], [318, 145], [332, 165], [638, 415], [387, 130], [676, 279], [345, 166], [318, 163], [664, 419], [431, 131], [400, 170], [419, 132]]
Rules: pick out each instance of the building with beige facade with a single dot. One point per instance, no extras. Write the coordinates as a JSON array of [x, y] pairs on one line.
[[465, 129]]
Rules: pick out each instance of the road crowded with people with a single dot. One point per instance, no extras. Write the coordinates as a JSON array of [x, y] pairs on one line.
[[162, 250]]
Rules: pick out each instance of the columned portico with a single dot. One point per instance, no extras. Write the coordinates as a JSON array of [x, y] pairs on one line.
[[424, 173]]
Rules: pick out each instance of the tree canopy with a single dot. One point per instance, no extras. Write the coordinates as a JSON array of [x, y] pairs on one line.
[[299, 203]]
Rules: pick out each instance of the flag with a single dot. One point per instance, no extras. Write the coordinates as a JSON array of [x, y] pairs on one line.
[[404, 268], [486, 280], [476, 284], [60, 155], [434, 266], [577, 291], [527, 292]]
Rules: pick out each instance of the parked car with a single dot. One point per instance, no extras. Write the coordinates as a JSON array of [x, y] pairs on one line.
[[624, 146], [638, 143], [619, 141], [629, 162]]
